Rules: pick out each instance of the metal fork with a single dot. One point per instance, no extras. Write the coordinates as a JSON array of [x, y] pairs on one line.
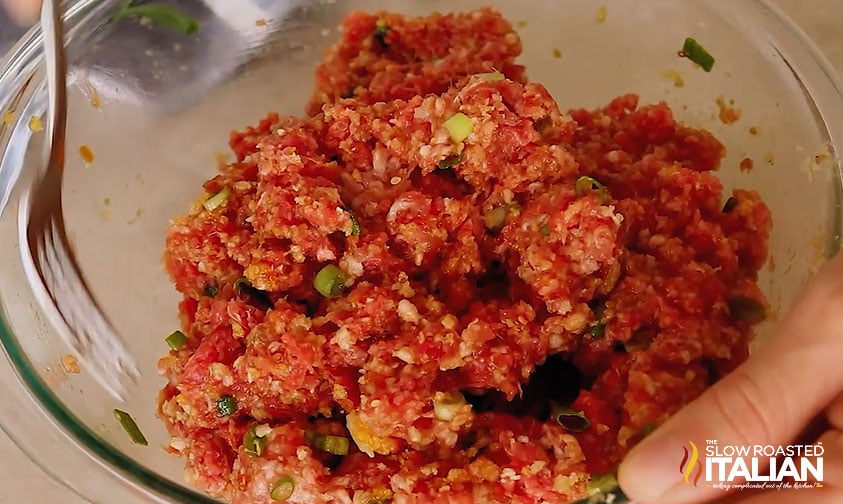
[[48, 258]]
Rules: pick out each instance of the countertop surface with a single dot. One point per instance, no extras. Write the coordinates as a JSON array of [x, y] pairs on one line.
[[23, 482]]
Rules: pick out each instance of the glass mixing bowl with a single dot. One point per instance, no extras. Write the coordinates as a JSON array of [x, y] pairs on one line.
[[155, 108]]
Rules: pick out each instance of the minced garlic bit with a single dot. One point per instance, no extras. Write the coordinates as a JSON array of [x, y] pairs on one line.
[[86, 154], [674, 76], [407, 311], [368, 442], [35, 124], [728, 113], [263, 430], [93, 95], [602, 13], [261, 22], [70, 364], [8, 117]]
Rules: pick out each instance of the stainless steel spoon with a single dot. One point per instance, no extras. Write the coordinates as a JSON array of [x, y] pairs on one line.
[[47, 255]]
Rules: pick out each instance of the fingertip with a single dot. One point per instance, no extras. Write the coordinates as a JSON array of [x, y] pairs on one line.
[[643, 475], [23, 12], [667, 467]]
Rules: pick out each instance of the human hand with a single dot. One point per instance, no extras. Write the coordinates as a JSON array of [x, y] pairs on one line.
[[793, 383], [22, 12]]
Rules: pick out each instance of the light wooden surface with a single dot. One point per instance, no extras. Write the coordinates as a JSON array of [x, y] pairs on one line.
[[25, 483]]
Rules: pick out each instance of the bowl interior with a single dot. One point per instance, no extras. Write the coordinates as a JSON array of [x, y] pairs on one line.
[[152, 150]]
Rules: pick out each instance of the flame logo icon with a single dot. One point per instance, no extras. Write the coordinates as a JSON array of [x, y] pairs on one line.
[[690, 464]]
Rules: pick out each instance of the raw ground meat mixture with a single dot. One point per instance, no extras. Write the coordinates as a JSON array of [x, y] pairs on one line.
[[439, 288]]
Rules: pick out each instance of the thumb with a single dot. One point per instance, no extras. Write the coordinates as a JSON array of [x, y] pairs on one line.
[[767, 400], [23, 12]]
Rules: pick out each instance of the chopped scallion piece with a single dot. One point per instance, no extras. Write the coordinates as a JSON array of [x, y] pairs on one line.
[[335, 445], [459, 127], [211, 291], [164, 15], [544, 230], [597, 330], [283, 488], [586, 183], [600, 484], [226, 406], [495, 218], [636, 345], [449, 161], [355, 224], [217, 200], [253, 444], [131, 427], [648, 429], [730, 204], [242, 284], [491, 76], [571, 419], [447, 404], [330, 281], [697, 53], [746, 309], [176, 340], [381, 31]]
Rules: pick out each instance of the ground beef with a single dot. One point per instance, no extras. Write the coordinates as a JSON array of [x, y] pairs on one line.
[[586, 260]]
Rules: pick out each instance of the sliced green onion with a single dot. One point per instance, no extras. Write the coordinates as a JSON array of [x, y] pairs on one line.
[[449, 161], [635, 346], [648, 429], [746, 309], [131, 427], [226, 405], [571, 419], [586, 183], [380, 34], [447, 404], [491, 76], [211, 291], [242, 284], [160, 14], [252, 443], [335, 445], [598, 330], [283, 488], [692, 50], [495, 218], [217, 200], [176, 340], [601, 484], [355, 224], [330, 281], [730, 204], [544, 230], [459, 127]]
